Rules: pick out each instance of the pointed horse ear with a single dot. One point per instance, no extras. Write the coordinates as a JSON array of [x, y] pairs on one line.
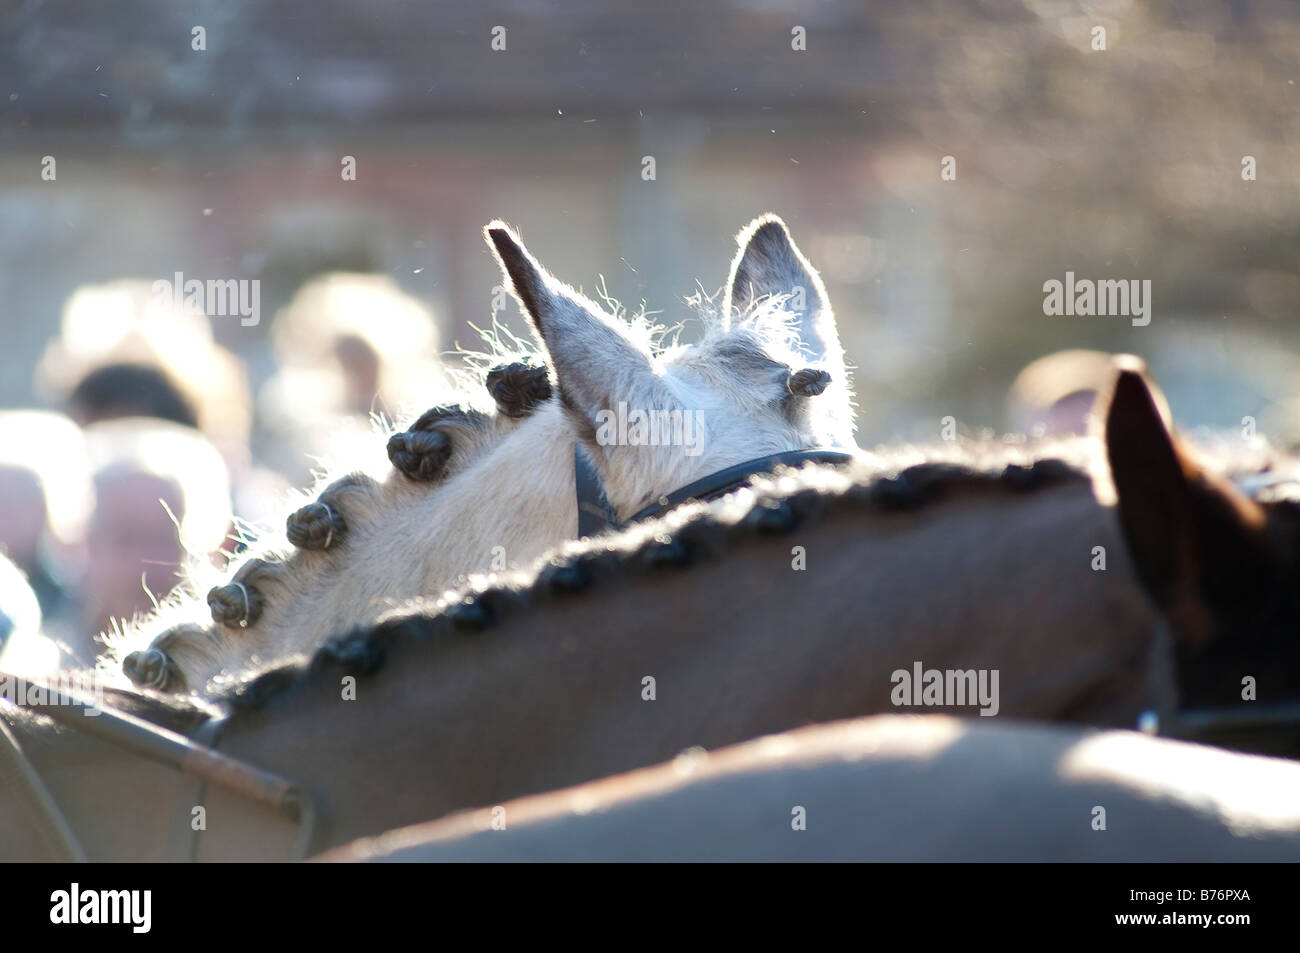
[[1149, 475], [593, 355], [1194, 539], [769, 264]]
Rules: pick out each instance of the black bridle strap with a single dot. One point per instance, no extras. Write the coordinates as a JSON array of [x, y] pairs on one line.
[[1195, 724], [595, 515], [1228, 726], [724, 481]]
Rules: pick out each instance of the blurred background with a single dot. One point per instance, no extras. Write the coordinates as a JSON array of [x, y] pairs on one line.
[[135, 146]]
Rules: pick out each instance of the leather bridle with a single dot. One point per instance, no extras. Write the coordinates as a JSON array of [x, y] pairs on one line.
[[595, 515], [1271, 728], [191, 757]]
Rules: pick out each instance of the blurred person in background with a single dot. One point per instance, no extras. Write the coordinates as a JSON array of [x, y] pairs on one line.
[[346, 346], [1053, 396], [125, 351], [45, 498], [123, 389], [162, 497], [23, 650]]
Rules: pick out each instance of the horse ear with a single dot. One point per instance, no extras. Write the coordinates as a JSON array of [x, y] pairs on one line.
[[769, 264], [1149, 477], [1195, 540], [591, 353]]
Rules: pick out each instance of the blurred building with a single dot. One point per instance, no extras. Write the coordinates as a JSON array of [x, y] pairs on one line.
[[1122, 163]]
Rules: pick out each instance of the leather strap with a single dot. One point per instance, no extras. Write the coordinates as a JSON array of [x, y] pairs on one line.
[[19, 775], [595, 515], [186, 838], [731, 478]]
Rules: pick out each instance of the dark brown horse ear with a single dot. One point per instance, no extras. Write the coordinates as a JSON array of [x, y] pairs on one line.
[[1192, 537], [1151, 488]]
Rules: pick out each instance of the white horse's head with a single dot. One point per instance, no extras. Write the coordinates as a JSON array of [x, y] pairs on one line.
[[767, 377], [481, 491]]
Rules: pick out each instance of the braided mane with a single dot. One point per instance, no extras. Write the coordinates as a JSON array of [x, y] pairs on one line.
[[899, 480], [686, 536]]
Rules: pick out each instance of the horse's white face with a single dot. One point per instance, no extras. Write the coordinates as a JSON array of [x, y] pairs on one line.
[[769, 378]]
